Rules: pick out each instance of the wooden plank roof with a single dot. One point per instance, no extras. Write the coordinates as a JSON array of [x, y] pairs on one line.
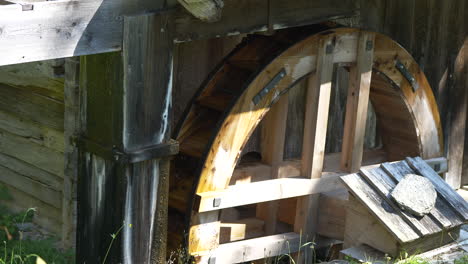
[[372, 187]]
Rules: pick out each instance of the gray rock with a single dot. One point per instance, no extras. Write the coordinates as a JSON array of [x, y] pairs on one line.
[[415, 194]]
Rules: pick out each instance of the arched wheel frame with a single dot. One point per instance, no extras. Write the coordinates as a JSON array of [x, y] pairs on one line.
[[372, 57]]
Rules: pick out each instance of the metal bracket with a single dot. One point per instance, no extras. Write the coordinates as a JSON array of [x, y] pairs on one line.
[[170, 148], [408, 76], [270, 85]]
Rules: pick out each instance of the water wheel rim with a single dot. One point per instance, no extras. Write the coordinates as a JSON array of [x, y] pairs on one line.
[[297, 62]]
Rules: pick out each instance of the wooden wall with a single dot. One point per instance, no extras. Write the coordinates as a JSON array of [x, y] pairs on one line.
[[32, 139]]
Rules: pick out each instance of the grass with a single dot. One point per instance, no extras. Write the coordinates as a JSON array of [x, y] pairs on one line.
[[14, 250]]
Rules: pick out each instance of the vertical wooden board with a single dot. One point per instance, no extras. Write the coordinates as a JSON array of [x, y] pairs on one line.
[[357, 104], [147, 50], [72, 126], [146, 103], [102, 76], [457, 121], [295, 122], [315, 131], [337, 111], [316, 115], [272, 149]]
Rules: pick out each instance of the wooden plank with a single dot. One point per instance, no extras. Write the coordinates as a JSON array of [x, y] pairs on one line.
[[81, 32], [264, 191], [31, 172], [94, 26], [452, 197], [273, 135], [32, 131], [441, 212], [34, 107], [315, 129], [357, 104], [252, 249], [383, 184], [32, 187], [380, 208], [45, 78], [31, 153]]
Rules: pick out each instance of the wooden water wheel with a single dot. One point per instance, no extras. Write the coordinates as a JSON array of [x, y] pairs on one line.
[[250, 87]]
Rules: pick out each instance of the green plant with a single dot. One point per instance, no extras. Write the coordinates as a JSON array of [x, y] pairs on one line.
[[462, 260], [19, 251], [114, 237]]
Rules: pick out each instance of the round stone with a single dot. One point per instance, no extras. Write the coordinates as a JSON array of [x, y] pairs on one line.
[[415, 194]]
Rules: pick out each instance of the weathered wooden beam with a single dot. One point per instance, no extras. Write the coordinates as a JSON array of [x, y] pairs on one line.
[[147, 100], [72, 127], [64, 28], [256, 16], [96, 26], [205, 10]]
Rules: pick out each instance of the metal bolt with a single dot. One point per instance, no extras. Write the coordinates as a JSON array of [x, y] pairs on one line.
[[216, 202]]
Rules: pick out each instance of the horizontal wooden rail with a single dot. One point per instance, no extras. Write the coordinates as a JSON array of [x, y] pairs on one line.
[[252, 249], [27, 32], [270, 190], [264, 191]]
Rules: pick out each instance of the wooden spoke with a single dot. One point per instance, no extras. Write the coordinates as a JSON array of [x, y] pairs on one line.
[[272, 147], [357, 103], [315, 131]]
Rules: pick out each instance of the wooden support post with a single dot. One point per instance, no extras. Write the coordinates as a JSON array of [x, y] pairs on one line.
[[357, 104], [128, 109], [457, 120], [272, 147], [72, 128], [315, 130]]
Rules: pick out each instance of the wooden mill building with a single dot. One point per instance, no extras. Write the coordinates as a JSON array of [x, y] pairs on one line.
[[220, 126]]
